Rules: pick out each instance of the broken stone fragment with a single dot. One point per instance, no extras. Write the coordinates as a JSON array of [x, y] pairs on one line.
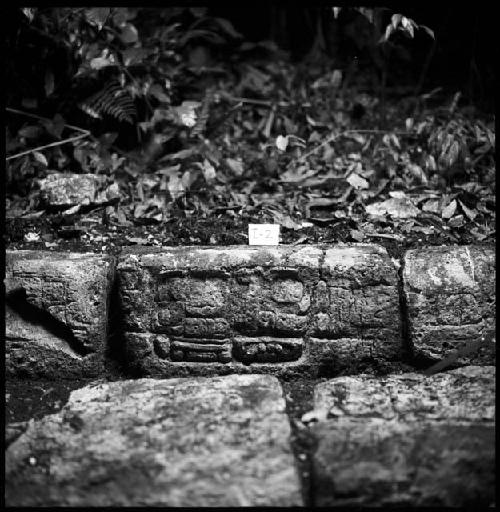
[[56, 313], [67, 190], [219, 442], [405, 440], [450, 295]]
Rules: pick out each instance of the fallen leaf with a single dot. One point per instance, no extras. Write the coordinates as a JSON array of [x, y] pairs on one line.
[[296, 175], [356, 181], [31, 237], [478, 235], [72, 210], [137, 240], [301, 239], [417, 172], [40, 158], [433, 206], [323, 201], [286, 221], [399, 208], [281, 142], [33, 215], [168, 171], [471, 214], [182, 154], [357, 235], [397, 194], [175, 186], [449, 211], [235, 165], [456, 221], [208, 170], [113, 192]]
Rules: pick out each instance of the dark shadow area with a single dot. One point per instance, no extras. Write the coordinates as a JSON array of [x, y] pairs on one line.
[[17, 301], [34, 398], [115, 354], [299, 400], [404, 316]]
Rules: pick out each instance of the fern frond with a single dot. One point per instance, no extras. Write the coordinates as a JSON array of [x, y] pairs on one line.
[[201, 123], [113, 100]]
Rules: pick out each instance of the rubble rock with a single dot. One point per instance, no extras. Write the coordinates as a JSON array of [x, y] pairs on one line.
[[66, 190], [216, 442], [406, 440]]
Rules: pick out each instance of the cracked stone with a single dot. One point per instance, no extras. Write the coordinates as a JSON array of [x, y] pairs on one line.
[[56, 314]]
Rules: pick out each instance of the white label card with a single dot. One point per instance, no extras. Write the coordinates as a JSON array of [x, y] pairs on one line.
[[263, 234]]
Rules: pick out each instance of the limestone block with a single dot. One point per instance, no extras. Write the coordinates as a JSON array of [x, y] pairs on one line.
[[56, 313], [450, 296], [406, 440], [357, 295], [220, 442], [224, 305]]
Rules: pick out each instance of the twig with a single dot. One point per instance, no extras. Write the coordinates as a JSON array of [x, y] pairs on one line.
[[38, 148], [34, 116], [83, 134], [314, 150], [264, 103], [347, 132], [467, 349], [385, 235], [269, 123]]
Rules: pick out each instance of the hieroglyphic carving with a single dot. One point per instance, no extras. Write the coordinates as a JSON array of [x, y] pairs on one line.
[[199, 312], [260, 306]]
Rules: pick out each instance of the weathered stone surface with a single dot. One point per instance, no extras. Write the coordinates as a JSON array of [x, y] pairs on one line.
[[268, 304], [406, 440], [180, 442], [450, 294], [69, 189], [56, 313]]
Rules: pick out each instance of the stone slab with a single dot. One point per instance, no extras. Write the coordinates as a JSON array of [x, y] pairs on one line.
[[451, 300], [405, 440], [251, 309], [56, 313], [218, 442]]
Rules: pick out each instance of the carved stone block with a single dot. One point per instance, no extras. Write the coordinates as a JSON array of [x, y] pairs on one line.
[[56, 314], [248, 306], [451, 298]]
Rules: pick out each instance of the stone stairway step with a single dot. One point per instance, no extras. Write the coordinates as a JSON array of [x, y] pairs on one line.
[[451, 299], [221, 441], [405, 440], [284, 309]]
